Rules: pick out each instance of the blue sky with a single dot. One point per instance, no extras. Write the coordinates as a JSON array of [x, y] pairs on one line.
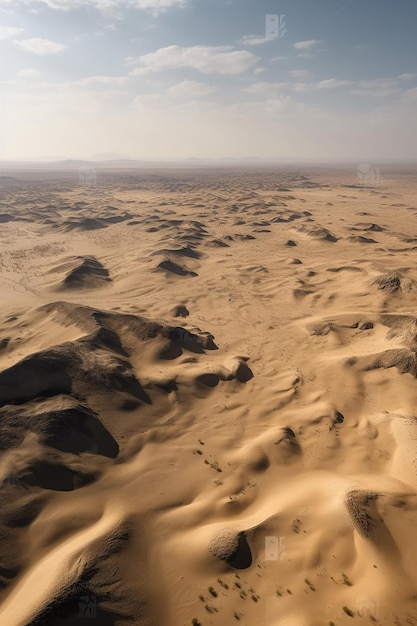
[[171, 79]]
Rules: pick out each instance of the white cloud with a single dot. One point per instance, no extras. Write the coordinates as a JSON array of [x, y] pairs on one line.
[[379, 87], [105, 6], [6, 32], [329, 83], [254, 40], [205, 59], [305, 45], [332, 83], [39, 46], [191, 89], [258, 70], [281, 105]]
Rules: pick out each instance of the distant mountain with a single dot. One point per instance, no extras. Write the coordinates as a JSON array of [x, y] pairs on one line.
[[191, 162], [112, 156]]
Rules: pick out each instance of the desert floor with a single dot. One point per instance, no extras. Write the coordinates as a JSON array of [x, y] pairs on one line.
[[208, 397]]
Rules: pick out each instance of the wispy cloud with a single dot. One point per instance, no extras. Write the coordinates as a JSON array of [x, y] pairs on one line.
[[306, 45], [328, 83], [39, 46], [191, 89], [205, 59], [407, 76], [105, 6], [7, 32], [254, 40], [265, 88], [332, 83]]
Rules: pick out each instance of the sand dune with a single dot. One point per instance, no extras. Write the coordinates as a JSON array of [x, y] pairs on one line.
[[208, 399]]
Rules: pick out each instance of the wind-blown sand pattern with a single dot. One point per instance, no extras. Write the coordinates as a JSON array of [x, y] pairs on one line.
[[208, 399]]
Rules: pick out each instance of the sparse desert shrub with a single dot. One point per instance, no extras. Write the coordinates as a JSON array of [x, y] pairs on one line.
[[348, 611]]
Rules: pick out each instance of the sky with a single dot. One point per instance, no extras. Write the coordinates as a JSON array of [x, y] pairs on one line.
[[314, 80]]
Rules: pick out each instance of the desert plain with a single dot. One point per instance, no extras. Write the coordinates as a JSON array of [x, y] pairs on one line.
[[208, 397]]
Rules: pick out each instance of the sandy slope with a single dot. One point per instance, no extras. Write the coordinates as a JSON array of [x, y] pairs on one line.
[[208, 399]]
